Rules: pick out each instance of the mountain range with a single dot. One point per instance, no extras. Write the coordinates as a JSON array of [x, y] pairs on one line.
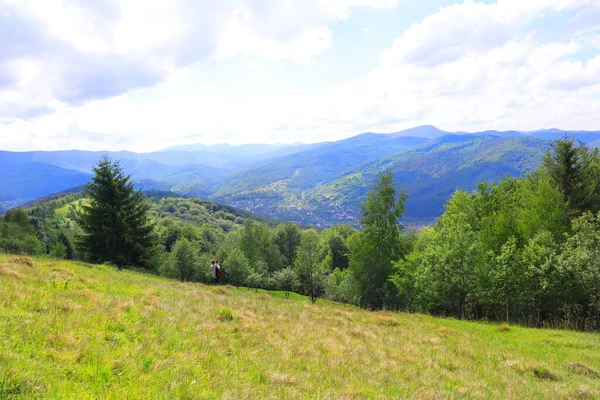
[[319, 184]]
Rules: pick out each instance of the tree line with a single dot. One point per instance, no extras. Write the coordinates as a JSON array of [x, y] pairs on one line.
[[520, 250]]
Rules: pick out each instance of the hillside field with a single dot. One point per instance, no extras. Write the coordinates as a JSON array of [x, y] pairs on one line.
[[73, 330]]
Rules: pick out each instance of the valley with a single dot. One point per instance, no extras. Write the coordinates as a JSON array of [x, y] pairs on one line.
[[319, 184]]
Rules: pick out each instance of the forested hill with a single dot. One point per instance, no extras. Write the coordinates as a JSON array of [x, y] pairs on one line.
[[432, 171], [163, 205], [319, 184], [50, 224]]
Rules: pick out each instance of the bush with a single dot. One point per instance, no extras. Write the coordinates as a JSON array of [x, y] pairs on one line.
[[339, 287], [20, 239], [59, 250], [286, 280]]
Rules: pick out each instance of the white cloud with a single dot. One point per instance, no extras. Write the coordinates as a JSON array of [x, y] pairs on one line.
[[93, 49], [129, 79]]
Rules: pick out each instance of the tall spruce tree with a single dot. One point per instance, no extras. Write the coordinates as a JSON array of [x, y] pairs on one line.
[[114, 219], [574, 171]]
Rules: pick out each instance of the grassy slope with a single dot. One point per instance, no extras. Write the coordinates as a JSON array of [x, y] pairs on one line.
[[70, 330]]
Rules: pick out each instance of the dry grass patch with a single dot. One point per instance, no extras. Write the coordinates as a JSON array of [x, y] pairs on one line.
[[585, 393], [583, 369], [219, 290], [22, 260], [265, 296], [7, 271], [444, 330], [387, 321], [281, 379]]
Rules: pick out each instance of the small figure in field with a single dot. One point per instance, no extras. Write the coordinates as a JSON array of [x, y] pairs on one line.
[[215, 270], [220, 273]]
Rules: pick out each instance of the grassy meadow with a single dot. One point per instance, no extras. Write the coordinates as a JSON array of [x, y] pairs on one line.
[[76, 331]]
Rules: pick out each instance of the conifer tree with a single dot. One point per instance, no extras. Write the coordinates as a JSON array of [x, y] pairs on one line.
[[574, 171], [114, 219], [69, 253]]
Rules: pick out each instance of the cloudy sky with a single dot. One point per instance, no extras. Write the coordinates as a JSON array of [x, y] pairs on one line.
[[146, 74]]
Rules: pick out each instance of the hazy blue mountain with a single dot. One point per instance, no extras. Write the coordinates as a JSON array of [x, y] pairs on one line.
[[245, 150], [83, 161], [306, 169], [318, 183], [423, 131], [20, 183], [500, 133], [591, 138], [23, 177]]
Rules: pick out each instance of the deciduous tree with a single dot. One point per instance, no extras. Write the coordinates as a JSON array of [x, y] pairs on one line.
[[374, 250]]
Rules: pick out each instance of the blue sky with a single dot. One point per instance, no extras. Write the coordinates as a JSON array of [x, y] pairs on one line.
[[143, 75]]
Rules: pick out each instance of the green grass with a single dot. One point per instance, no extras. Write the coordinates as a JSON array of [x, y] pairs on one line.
[[278, 294], [70, 330], [64, 210]]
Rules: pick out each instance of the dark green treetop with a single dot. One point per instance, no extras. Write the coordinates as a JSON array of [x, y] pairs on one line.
[[115, 223]]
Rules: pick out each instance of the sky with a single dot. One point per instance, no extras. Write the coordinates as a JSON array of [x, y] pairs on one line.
[[143, 75]]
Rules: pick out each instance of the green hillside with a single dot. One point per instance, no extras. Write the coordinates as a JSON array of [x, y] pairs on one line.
[[21, 183], [432, 171], [72, 330]]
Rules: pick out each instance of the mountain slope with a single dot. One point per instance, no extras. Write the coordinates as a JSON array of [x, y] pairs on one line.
[[306, 169], [20, 183], [303, 183], [73, 330], [431, 172]]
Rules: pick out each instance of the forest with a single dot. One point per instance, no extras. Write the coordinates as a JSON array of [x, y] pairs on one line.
[[524, 251]]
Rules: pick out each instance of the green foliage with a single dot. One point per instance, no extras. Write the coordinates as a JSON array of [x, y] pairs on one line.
[[17, 216], [452, 261], [340, 286], [258, 247], [18, 235], [307, 266], [254, 280], [582, 258], [115, 223], [201, 212], [184, 260], [287, 239], [509, 251], [574, 171], [286, 281], [334, 243], [238, 268], [506, 276], [545, 283], [66, 242], [541, 207], [374, 250], [59, 250]]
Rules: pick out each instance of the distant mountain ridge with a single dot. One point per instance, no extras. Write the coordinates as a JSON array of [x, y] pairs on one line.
[[431, 172], [320, 183]]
